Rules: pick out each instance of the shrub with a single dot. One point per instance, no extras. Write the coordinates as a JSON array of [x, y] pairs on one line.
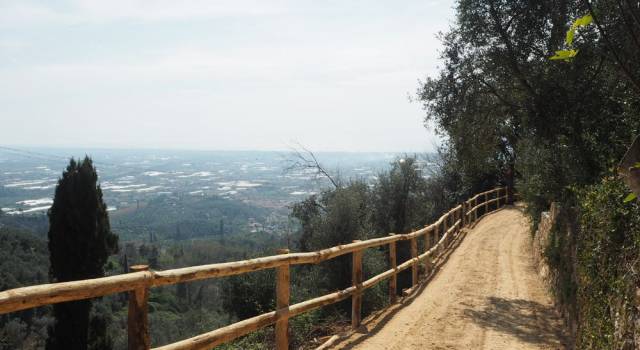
[[608, 266]]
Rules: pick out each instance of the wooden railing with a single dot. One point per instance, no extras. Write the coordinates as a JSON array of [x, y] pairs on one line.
[[437, 237]]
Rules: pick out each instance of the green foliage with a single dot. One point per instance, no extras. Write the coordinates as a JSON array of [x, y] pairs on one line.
[[168, 217], [79, 223], [560, 258], [169, 326], [37, 225], [80, 241], [569, 54], [580, 22], [24, 261], [505, 108], [617, 25], [330, 218], [399, 197], [608, 265], [400, 200], [100, 337], [249, 294], [565, 55], [12, 334], [334, 217]]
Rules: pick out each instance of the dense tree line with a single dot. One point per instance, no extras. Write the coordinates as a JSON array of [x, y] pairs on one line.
[[406, 197], [559, 127]]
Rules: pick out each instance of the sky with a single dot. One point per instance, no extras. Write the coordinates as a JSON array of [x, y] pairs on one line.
[[217, 74]]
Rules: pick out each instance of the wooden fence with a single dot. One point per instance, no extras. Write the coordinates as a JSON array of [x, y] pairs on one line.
[[437, 237]]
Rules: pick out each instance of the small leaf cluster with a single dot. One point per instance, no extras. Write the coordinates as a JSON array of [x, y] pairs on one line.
[[568, 54]]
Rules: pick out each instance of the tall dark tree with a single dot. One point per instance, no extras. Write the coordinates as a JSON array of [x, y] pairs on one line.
[[80, 241]]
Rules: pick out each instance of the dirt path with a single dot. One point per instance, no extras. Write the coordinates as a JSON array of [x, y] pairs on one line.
[[486, 296]]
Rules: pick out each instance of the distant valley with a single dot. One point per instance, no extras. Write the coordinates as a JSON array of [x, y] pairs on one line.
[[156, 195]]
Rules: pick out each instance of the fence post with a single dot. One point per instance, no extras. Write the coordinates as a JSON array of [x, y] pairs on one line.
[[436, 236], [486, 203], [137, 320], [475, 209], [427, 245], [393, 281], [356, 279], [498, 199], [283, 278], [445, 228], [414, 266], [506, 196], [464, 214], [467, 217], [427, 241], [453, 225]]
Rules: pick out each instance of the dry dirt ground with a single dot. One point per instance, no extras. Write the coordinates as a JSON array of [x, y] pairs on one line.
[[487, 295]]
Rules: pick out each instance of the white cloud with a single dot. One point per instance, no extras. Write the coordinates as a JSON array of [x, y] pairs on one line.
[[335, 63], [86, 11], [171, 9], [332, 75]]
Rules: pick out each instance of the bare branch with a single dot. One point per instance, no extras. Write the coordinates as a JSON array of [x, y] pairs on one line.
[[304, 159]]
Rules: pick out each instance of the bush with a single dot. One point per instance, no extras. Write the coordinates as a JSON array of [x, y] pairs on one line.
[[608, 267]]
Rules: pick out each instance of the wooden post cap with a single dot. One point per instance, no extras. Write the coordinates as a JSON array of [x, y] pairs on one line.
[[137, 268]]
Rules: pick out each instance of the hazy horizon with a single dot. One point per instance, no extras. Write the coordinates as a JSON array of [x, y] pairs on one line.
[[49, 148], [223, 75]]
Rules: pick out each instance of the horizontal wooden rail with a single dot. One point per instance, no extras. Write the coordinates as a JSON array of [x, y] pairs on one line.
[[45, 294], [484, 194], [439, 233], [487, 202]]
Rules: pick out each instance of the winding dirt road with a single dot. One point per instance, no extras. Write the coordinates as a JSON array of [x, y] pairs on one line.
[[486, 296]]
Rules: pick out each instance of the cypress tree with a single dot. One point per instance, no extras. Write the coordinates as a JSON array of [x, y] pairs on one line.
[[80, 241]]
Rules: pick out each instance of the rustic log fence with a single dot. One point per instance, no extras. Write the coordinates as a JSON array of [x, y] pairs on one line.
[[437, 238]]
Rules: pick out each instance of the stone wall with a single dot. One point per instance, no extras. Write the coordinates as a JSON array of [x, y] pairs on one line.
[[541, 239], [564, 222]]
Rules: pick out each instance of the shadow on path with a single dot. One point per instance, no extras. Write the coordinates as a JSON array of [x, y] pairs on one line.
[[374, 323], [520, 318]]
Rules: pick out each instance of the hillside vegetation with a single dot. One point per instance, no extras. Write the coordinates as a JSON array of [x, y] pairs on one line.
[[403, 198], [557, 129]]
